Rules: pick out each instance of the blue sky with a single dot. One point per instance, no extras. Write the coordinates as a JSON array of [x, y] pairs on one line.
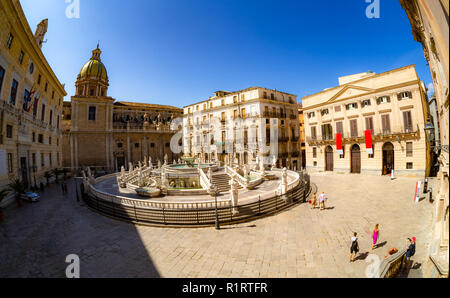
[[177, 52]]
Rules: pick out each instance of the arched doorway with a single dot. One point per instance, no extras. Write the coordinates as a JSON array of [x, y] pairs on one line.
[[329, 159], [388, 158], [355, 159]]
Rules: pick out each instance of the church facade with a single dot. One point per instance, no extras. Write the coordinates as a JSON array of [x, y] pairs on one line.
[[106, 134]]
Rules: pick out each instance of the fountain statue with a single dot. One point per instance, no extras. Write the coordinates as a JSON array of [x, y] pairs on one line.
[[166, 160], [130, 168], [145, 161], [274, 162], [159, 164], [150, 164]]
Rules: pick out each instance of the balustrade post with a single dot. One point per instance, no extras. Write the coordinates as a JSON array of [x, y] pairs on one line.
[[164, 215], [259, 204], [135, 214], [198, 221]]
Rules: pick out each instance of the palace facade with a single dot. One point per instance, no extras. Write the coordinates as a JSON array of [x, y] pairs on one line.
[[237, 127], [105, 134], [31, 98], [370, 123], [430, 27]]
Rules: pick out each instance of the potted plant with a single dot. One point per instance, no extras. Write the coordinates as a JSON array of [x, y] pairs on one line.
[[19, 188], [3, 194], [47, 176]]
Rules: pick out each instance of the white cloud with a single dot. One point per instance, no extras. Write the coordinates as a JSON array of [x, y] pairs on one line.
[[430, 88]]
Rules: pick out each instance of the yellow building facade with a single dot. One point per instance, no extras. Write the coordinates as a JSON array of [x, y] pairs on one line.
[[392, 106], [104, 134], [31, 98], [429, 22]]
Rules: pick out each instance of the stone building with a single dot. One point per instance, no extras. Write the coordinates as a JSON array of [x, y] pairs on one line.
[[244, 126], [370, 123], [302, 143], [430, 27], [105, 134], [30, 101]]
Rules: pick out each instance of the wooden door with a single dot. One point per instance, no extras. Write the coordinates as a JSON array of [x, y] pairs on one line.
[[329, 159], [356, 159]]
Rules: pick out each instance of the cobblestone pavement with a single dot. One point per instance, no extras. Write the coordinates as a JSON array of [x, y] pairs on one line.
[[300, 242]]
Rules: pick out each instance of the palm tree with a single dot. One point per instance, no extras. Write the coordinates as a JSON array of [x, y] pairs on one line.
[[3, 194], [47, 176], [19, 188]]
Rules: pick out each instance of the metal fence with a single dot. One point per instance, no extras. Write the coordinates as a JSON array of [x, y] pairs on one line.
[[200, 217]]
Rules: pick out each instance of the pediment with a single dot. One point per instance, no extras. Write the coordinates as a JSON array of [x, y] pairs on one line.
[[350, 91]]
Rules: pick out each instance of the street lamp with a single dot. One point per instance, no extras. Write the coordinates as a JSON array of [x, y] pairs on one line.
[[217, 211], [34, 169]]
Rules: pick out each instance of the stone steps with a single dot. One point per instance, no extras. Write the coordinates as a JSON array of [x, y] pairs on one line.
[[222, 182]]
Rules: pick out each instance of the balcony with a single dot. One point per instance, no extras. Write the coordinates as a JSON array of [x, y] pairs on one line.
[[121, 127], [377, 136]]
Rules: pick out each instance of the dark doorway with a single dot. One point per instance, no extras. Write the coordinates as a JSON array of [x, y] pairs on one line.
[[120, 162], [388, 158], [355, 159], [329, 159], [24, 172]]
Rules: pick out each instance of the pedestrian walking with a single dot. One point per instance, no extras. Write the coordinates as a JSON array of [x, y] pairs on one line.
[[322, 200], [62, 188], [314, 201], [354, 247], [375, 236], [410, 250]]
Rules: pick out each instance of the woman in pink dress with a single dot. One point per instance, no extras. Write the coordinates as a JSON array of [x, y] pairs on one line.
[[375, 236]]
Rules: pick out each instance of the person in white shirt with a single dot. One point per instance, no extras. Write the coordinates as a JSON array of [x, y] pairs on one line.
[[322, 200]]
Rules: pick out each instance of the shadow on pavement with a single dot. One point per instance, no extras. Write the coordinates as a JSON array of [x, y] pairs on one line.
[[37, 238]]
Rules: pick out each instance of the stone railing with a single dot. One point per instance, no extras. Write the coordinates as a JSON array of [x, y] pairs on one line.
[[191, 214], [241, 180], [204, 180], [391, 266], [153, 204]]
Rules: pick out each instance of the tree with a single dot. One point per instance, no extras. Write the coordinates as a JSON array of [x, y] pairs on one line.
[[3, 194], [47, 176], [19, 188]]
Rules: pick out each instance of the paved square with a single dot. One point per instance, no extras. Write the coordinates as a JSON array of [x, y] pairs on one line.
[[299, 242]]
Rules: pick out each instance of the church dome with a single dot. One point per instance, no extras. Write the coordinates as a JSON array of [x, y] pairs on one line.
[[94, 67]]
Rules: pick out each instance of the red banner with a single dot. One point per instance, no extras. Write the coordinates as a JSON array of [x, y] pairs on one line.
[[369, 145], [339, 144]]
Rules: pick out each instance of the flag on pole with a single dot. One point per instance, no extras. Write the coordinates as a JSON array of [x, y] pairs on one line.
[[369, 145], [339, 149]]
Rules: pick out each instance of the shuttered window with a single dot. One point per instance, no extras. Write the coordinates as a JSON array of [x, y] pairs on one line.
[[313, 133], [386, 124], [407, 121], [339, 128], [353, 128], [369, 124], [409, 149]]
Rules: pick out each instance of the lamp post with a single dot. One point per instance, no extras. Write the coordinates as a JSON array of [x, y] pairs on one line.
[[34, 169], [217, 211]]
